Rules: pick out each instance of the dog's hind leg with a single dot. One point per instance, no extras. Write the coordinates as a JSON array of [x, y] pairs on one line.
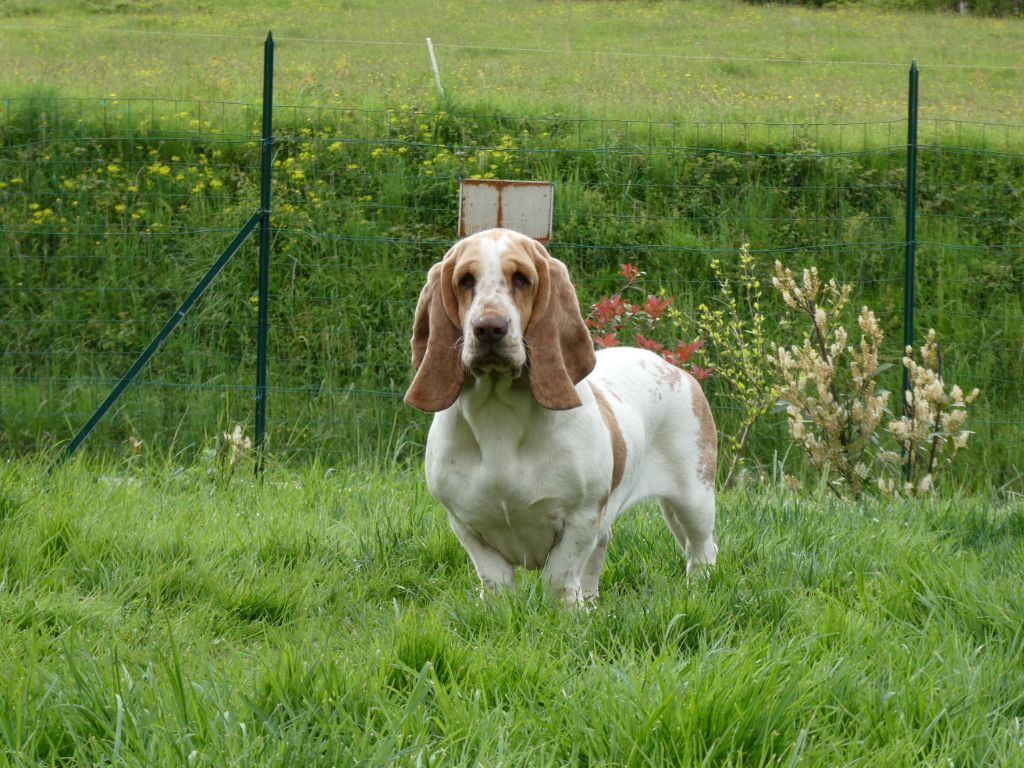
[[691, 517]]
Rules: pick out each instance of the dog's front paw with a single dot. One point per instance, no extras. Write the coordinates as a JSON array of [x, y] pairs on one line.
[[574, 598], [492, 587]]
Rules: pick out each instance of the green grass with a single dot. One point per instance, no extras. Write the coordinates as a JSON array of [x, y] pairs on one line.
[[632, 59], [164, 609], [330, 618]]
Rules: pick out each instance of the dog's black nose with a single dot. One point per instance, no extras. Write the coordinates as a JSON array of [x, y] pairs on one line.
[[490, 329]]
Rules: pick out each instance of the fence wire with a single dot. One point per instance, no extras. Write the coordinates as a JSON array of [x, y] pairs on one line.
[[110, 210]]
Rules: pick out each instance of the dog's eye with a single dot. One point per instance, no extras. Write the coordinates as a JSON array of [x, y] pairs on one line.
[[467, 282], [520, 281]]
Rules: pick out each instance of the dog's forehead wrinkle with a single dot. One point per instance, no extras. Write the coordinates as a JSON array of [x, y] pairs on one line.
[[496, 255], [492, 292], [491, 261]]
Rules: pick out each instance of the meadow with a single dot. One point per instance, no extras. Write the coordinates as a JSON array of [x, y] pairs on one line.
[[331, 618], [159, 606]]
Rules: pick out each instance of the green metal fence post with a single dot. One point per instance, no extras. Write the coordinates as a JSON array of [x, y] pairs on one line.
[[262, 315], [910, 232], [910, 225]]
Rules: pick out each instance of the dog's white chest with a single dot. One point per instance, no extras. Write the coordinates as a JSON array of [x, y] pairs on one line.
[[500, 498], [502, 493]]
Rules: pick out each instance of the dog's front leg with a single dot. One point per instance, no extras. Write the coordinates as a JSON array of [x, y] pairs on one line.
[[495, 572], [567, 561]]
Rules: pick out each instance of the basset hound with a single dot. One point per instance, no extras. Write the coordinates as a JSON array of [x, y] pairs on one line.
[[538, 443]]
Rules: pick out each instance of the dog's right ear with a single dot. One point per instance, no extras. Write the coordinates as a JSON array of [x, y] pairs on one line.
[[436, 342]]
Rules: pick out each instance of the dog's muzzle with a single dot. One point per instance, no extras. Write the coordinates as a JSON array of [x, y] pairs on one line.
[[492, 349]]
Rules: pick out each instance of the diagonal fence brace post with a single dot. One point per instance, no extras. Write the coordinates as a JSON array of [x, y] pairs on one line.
[[154, 345]]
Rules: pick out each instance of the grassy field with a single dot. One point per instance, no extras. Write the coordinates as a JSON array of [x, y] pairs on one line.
[[630, 59], [332, 619], [160, 608]]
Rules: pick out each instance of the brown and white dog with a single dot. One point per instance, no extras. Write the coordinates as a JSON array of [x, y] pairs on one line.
[[538, 444]]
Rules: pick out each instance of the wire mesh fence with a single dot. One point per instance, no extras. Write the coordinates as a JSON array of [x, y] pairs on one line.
[[110, 210]]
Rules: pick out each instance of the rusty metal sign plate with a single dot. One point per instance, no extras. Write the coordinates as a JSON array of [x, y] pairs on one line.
[[525, 206]]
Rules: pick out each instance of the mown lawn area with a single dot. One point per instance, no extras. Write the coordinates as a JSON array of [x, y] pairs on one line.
[[629, 59]]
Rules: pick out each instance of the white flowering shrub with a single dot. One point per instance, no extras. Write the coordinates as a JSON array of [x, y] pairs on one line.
[[232, 450], [837, 412], [930, 432]]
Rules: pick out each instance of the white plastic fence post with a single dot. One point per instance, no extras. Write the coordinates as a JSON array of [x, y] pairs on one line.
[[433, 63]]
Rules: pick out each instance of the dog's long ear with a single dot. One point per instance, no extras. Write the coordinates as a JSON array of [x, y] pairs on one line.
[[436, 342], [560, 350]]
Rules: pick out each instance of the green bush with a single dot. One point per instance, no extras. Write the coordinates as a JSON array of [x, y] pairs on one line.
[[110, 216]]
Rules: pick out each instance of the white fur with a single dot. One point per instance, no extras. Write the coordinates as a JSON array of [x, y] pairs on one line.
[[526, 486], [493, 296]]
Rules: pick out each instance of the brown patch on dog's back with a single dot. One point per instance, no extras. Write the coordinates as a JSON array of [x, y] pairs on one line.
[[618, 442], [708, 439]]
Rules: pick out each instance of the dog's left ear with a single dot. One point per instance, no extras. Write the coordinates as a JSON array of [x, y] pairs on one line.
[[560, 350], [436, 342]]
